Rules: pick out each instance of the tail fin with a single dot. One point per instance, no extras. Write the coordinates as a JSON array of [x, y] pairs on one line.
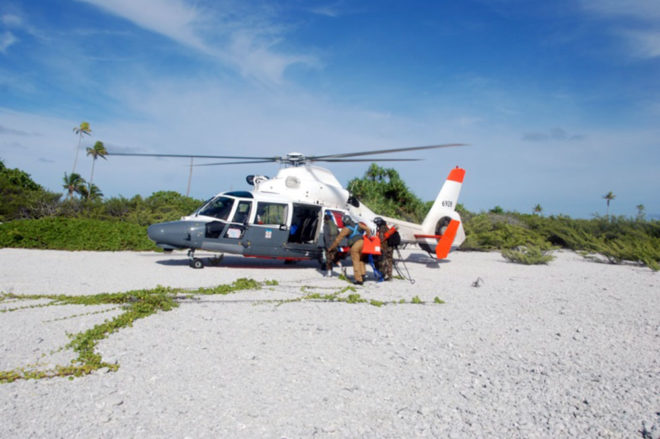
[[442, 228]]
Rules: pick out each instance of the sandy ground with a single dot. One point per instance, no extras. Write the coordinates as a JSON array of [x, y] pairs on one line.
[[571, 349]]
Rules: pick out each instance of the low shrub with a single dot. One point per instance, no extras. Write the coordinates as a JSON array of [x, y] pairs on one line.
[[74, 234], [618, 239], [527, 255]]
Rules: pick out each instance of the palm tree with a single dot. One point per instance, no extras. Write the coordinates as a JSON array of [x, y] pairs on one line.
[[98, 150], [609, 197], [641, 214], [538, 209], [74, 184], [84, 128], [93, 192]]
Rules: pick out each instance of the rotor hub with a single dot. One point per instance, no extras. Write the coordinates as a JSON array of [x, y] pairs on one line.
[[295, 158]]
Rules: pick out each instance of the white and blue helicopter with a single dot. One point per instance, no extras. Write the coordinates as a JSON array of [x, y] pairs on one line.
[[282, 217]]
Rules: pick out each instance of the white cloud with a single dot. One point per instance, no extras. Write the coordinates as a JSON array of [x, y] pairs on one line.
[[636, 21], [638, 9], [254, 58], [172, 18], [646, 44], [7, 39], [247, 43], [11, 20]]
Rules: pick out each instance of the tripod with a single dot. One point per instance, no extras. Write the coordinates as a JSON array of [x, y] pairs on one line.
[[406, 276]]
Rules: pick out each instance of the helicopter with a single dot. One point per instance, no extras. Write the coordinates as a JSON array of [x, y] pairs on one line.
[[282, 217]]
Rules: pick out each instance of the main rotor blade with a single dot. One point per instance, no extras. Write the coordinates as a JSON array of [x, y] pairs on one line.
[[376, 159], [195, 156], [355, 154], [234, 163]]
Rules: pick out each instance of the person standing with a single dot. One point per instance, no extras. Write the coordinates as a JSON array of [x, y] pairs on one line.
[[387, 252], [354, 233], [330, 232]]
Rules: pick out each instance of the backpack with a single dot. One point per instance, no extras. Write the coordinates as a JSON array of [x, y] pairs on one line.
[[394, 239]]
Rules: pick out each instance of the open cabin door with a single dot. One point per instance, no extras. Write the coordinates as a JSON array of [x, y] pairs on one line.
[[305, 222]]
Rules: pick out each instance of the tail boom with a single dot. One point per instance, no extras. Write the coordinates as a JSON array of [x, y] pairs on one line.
[[442, 229]]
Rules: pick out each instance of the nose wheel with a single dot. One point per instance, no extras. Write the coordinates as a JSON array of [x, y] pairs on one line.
[[193, 261]]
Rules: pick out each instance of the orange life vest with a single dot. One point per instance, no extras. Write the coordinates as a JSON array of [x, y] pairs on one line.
[[371, 245]]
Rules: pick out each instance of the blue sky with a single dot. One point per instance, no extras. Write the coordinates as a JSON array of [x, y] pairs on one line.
[[559, 101]]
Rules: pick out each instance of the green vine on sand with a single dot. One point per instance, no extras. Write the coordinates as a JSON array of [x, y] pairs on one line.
[[139, 304], [352, 298], [136, 305]]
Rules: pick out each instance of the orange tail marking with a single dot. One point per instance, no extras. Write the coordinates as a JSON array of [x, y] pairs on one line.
[[457, 174], [444, 243]]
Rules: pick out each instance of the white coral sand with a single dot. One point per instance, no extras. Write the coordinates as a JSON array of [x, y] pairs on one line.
[[571, 349]]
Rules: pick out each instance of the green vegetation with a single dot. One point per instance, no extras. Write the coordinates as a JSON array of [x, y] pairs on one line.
[[21, 197], [527, 255], [74, 234], [617, 238], [384, 192], [98, 150], [139, 304], [135, 304], [83, 129], [416, 300], [609, 197], [36, 218]]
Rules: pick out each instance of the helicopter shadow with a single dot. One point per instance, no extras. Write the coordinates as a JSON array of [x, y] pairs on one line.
[[239, 262], [423, 259]]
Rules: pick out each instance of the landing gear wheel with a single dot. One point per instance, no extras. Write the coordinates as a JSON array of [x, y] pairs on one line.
[[197, 263]]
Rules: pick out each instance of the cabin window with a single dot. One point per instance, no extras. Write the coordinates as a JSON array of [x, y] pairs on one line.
[[219, 207], [242, 212], [271, 213]]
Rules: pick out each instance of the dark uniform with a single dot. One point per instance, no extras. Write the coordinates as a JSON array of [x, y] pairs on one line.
[[330, 232], [386, 260]]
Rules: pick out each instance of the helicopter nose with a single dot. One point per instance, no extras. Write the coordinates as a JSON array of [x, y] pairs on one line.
[[175, 234]]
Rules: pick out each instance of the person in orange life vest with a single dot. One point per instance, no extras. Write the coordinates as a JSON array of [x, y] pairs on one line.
[[353, 233]]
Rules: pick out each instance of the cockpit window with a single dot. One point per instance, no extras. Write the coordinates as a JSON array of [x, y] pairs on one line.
[[242, 212], [219, 207]]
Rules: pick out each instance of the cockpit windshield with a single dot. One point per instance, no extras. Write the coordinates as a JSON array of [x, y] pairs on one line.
[[219, 207]]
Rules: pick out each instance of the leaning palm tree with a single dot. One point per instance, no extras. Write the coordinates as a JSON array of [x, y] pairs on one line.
[[98, 150], [93, 192], [609, 197], [84, 128], [74, 184], [538, 209]]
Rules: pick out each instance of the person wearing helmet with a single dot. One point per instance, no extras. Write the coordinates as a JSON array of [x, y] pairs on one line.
[[386, 260], [353, 233]]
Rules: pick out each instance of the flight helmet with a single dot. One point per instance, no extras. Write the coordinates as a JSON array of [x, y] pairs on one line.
[[347, 220]]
